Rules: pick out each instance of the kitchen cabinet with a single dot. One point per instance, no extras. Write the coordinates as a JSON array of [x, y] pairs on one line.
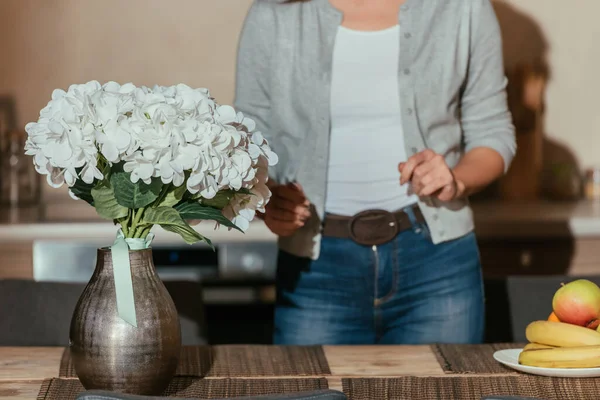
[[16, 260], [540, 256], [526, 256], [538, 238]]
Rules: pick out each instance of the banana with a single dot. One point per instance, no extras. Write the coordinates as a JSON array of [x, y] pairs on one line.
[[562, 357], [561, 334], [536, 346]]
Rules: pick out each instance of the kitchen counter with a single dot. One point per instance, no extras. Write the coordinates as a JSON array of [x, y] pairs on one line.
[[579, 219], [79, 222], [527, 237]]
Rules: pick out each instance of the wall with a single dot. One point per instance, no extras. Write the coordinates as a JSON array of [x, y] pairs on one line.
[[50, 44], [566, 34], [45, 44]]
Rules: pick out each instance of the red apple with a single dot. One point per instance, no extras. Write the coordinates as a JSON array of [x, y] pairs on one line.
[[578, 303]]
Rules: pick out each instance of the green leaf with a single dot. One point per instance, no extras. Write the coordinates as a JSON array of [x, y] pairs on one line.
[[173, 197], [83, 191], [170, 220], [181, 191], [106, 204], [106, 171], [221, 199], [195, 210], [187, 233], [134, 195]]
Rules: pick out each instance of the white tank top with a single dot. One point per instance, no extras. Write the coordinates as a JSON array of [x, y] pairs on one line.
[[367, 139]]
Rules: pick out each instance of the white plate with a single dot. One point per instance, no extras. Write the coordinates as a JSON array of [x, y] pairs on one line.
[[510, 358]]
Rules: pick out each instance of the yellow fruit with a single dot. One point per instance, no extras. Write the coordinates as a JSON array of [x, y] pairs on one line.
[[536, 346], [561, 334], [562, 357]]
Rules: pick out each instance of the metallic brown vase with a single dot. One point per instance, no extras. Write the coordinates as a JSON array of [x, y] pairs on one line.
[[110, 354]]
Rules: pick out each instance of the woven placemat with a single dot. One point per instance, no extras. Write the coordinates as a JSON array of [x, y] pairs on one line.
[[200, 388], [239, 361], [471, 388], [472, 358]]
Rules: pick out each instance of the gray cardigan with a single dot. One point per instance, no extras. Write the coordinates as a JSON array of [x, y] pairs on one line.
[[451, 84]]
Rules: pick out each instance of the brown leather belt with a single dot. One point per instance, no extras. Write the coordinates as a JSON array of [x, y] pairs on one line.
[[371, 227]]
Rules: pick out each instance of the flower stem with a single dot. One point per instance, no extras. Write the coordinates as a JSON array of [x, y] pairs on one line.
[[147, 231], [143, 231], [125, 223], [137, 216], [124, 227]]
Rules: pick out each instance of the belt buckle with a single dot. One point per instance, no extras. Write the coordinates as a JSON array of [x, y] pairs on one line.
[[382, 226]]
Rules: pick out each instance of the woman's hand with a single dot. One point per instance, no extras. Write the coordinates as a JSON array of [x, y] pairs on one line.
[[429, 175], [287, 209]]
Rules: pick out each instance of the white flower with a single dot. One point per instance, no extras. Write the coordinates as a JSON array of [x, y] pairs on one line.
[[91, 172], [62, 140], [140, 168], [177, 134], [242, 210], [115, 87], [258, 140], [174, 162], [155, 133], [114, 139], [205, 184]]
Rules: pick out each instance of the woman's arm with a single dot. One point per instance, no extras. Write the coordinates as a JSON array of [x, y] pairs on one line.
[[253, 66], [287, 209], [476, 170], [489, 134], [488, 131]]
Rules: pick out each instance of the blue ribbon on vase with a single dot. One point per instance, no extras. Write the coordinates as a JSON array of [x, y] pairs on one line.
[[122, 273]]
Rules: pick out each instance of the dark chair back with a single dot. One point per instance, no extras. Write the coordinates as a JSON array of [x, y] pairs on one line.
[[39, 313]]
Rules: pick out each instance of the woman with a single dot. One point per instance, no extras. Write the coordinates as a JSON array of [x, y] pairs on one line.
[[386, 115]]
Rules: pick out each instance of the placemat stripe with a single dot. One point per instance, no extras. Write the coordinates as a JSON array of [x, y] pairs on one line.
[[471, 388], [201, 388], [239, 361], [258, 360], [66, 369], [472, 358], [44, 389]]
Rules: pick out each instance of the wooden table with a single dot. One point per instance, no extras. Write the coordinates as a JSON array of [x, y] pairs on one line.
[[22, 369]]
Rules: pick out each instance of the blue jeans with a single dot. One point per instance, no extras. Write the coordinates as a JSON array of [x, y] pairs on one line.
[[407, 291]]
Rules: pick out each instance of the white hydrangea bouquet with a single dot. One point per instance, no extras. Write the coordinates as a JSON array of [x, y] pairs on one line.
[[153, 156]]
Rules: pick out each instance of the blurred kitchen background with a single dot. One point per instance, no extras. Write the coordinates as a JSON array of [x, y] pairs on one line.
[[539, 224]]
